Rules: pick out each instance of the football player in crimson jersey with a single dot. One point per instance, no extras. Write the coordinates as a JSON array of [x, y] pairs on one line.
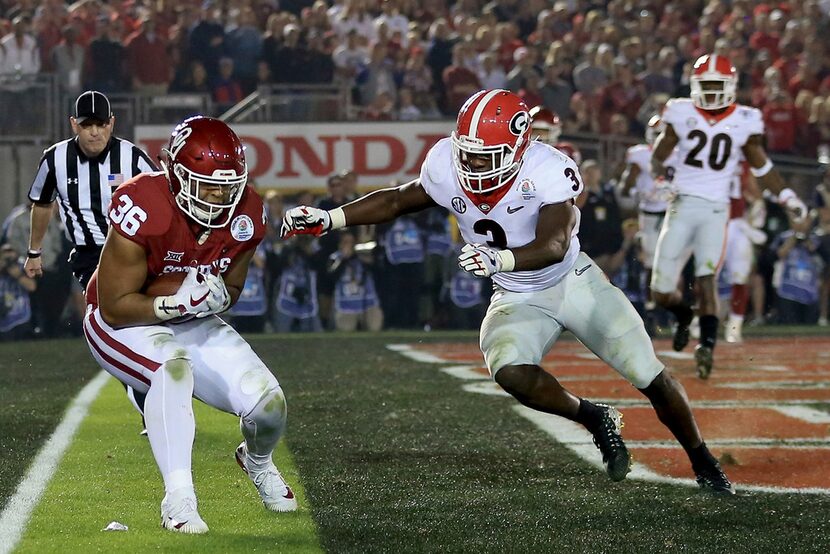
[[710, 134], [197, 218], [548, 127], [513, 199]]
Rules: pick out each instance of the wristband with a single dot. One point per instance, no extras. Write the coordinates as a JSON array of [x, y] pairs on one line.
[[763, 170], [165, 307], [337, 218], [786, 195], [32, 253], [507, 259]]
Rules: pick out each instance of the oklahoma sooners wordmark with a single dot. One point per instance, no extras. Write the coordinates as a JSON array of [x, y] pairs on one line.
[[756, 413]]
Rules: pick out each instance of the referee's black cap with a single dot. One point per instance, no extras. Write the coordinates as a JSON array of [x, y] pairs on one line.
[[92, 105]]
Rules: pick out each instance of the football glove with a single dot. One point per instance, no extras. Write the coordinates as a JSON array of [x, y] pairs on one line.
[[790, 200], [195, 297], [219, 299], [484, 261], [305, 220]]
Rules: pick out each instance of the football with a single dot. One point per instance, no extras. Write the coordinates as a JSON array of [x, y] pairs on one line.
[[164, 284]]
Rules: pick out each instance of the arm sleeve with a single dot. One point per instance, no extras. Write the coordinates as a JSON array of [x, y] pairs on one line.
[[142, 162]]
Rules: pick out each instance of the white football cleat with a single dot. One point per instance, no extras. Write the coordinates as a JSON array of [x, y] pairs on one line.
[[272, 488], [178, 512], [733, 333]]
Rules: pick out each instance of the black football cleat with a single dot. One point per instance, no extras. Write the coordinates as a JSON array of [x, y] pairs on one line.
[[704, 358], [681, 334], [714, 480], [608, 438]]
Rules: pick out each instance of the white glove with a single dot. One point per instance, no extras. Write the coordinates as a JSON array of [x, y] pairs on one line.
[[305, 220], [790, 200], [483, 261], [219, 300], [195, 297]]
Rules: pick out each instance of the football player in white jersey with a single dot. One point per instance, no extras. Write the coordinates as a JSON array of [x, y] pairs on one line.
[[709, 133], [513, 199], [653, 195]]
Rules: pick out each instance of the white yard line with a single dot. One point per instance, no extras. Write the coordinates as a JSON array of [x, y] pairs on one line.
[[16, 514]]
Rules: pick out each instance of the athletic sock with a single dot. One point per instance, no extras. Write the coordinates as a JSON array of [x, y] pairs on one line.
[[588, 414], [739, 299], [683, 313], [708, 330], [170, 423], [701, 457]]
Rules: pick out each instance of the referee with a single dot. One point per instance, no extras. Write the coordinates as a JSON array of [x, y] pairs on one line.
[[82, 172]]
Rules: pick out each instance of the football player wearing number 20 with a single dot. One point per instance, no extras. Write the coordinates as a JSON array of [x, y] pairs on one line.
[[196, 218], [514, 201], [708, 134]]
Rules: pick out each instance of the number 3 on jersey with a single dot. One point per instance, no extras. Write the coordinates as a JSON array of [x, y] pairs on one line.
[[490, 228], [127, 215]]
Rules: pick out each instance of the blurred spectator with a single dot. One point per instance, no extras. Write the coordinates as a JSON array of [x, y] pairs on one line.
[[226, 90], [601, 224], [439, 57], [376, 76], [582, 118], [207, 39], [780, 120], [19, 63], [15, 286], [243, 44], [556, 91], [623, 95], [403, 276], [68, 62], [356, 301], [349, 58], [490, 74], [50, 297], [148, 59], [106, 64], [460, 82], [524, 69], [193, 79], [407, 110], [296, 298], [797, 273], [418, 78], [588, 75], [354, 15], [464, 292], [435, 226], [248, 314]]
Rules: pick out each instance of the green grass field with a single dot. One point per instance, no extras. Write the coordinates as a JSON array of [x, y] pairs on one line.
[[385, 454]]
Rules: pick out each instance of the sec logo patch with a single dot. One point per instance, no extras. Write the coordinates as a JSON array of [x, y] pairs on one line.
[[242, 228]]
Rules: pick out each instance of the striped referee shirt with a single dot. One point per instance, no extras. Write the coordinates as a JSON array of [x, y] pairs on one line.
[[85, 185]]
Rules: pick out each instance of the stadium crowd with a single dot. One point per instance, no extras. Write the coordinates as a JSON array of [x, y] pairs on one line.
[[589, 61], [604, 67]]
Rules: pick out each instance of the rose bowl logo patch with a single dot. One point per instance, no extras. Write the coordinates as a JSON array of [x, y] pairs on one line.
[[242, 228]]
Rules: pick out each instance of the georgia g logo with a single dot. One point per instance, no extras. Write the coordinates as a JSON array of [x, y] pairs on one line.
[[519, 123]]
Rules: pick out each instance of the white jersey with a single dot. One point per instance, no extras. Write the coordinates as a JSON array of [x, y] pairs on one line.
[[546, 177], [652, 198], [709, 149]]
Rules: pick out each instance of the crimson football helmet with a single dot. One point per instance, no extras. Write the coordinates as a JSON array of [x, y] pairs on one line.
[[546, 124], [205, 152], [495, 124], [654, 128], [713, 83]]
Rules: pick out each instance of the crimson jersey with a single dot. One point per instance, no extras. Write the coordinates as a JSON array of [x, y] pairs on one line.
[[144, 211]]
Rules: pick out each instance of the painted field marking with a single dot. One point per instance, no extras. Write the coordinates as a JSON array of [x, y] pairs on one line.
[[16, 515], [787, 389]]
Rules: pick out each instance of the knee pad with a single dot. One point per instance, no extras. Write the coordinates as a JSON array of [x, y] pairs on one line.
[[269, 410]]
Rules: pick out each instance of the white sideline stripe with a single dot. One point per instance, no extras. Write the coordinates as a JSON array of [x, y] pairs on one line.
[[577, 439], [466, 372], [16, 514], [417, 355]]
